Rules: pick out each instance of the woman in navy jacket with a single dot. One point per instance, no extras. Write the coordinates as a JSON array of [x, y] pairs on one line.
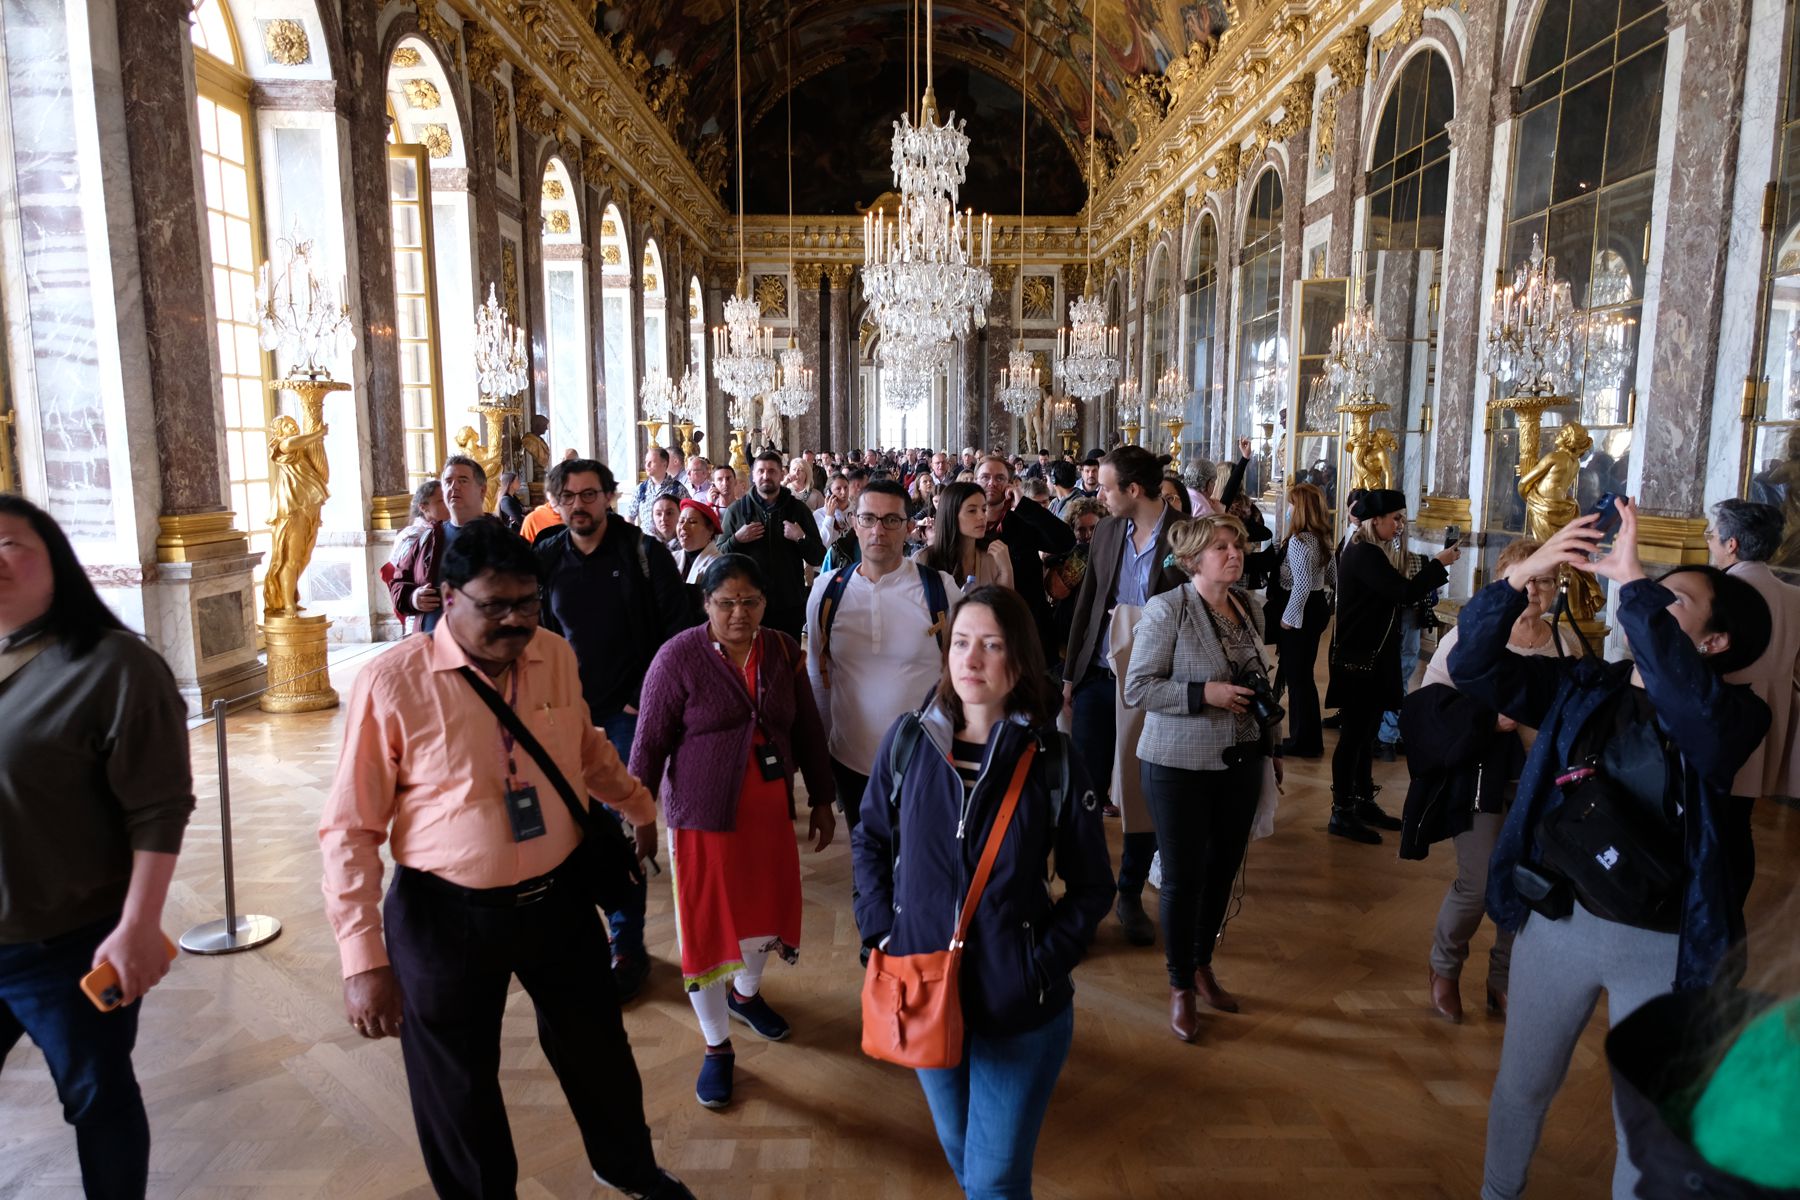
[[1686, 633], [953, 762]]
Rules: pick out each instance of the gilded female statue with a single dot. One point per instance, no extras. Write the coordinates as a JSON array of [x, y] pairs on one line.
[[1371, 459], [469, 442], [299, 492], [1548, 491]]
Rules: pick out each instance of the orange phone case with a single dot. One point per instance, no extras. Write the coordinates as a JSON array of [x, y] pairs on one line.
[[102, 983]]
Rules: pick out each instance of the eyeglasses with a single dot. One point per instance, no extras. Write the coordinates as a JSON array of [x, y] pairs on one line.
[[750, 604], [890, 522], [586, 496], [496, 610], [1542, 581]]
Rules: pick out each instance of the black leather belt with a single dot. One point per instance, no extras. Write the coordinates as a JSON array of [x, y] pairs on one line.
[[518, 895]]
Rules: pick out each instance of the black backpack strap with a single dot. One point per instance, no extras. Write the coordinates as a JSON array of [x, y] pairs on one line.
[[510, 719]]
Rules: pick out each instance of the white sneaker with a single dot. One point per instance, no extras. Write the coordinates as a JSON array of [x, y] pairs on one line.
[[1155, 877]]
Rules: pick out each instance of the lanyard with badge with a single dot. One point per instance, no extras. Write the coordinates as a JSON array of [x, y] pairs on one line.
[[522, 807], [768, 757]]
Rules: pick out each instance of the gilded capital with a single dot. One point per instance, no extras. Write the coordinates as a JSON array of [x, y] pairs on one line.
[[1349, 57], [1225, 168], [1074, 278], [1004, 274], [484, 55], [839, 274], [807, 275]]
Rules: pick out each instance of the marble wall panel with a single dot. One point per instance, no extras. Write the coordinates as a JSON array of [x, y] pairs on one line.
[[805, 432], [840, 337]]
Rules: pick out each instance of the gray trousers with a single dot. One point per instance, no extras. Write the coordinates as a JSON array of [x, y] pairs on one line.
[[1466, 903], [1559, 970]]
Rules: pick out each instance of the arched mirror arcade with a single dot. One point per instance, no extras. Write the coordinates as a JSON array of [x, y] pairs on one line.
[[615, 316], [567, 345]]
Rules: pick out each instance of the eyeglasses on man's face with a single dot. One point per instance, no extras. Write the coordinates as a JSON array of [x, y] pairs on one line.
[[498, 610], [890, 522], [585, 496]]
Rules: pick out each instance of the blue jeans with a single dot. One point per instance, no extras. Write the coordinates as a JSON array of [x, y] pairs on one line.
[[1409, 662], [627, 925], [88, 1053], [989, 1110]]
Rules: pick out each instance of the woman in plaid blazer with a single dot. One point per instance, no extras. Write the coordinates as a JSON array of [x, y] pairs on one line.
[[1203, 748]]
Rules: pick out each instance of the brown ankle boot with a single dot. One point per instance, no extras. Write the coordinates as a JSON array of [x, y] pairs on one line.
[[1207, 985], [1446, 997], [1184, 1022]]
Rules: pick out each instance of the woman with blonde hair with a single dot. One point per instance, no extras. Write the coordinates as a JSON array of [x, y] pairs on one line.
[[1308, 574], [1203, 748]]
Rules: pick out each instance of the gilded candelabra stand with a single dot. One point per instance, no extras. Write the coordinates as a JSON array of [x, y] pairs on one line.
[[1370, 450], [295, 643]]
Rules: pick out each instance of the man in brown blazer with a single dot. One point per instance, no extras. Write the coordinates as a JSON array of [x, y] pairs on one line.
[[1129, 563], [1741, 537]]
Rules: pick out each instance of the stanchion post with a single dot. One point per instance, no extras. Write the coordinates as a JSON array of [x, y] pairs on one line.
[[234, 933]]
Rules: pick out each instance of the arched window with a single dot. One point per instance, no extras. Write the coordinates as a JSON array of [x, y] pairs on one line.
[[1772, 460], [1408, 196], [229, 190], [1160, 315], [429, 261], [1584, 168], [615, 317], [697, 338], [565, 313], [656, 313], [1202, 289], [1261, 345]]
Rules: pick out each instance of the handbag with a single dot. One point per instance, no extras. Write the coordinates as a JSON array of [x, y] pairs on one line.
[[606, 861], [912, 1003]]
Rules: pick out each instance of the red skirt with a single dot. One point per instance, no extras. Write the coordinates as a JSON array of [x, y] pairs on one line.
[[737, 886]]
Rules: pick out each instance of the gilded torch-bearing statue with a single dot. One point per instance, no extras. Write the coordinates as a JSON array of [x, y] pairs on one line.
[[1548, 488], [298, 488]]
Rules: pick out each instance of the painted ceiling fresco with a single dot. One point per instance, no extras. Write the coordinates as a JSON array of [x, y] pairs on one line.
[[842, 149], [846, 52]]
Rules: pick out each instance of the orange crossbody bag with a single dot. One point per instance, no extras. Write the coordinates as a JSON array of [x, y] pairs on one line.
[[911, 1003]]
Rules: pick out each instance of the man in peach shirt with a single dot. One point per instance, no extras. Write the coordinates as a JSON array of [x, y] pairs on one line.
[[481, 891]]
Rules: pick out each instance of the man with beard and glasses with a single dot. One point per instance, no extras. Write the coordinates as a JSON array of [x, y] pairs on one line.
[[614, 593], [482, 887], [782, 536], [414, 587], [1028, 530]]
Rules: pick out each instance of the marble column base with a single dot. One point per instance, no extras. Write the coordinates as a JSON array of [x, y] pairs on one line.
[[201, 616]]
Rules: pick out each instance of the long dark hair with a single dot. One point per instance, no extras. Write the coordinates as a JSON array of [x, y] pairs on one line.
[[77, 617], [944, 551], [1033, 695]]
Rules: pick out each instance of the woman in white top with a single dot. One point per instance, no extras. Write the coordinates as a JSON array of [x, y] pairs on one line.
[[1466, 900], [696, 527], [1306, 571], [428, 508], [955, 547]]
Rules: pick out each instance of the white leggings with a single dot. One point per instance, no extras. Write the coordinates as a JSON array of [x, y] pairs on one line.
[[709, 1002]]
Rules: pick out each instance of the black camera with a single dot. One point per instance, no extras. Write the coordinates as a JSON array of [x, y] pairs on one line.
[[1261, 702]]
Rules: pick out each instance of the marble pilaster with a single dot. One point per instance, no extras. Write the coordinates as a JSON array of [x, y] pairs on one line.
[[998, 344], [1346, 174], [809, 336], [1482, 98], [1696, 226], [839, 336]]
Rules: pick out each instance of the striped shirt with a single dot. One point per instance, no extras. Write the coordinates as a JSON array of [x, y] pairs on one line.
[[966, 758]]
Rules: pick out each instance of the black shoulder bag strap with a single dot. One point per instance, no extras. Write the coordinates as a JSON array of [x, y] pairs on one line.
[[510, 719]]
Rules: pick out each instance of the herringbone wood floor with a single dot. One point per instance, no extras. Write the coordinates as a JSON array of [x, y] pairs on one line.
[[1335, 1080]]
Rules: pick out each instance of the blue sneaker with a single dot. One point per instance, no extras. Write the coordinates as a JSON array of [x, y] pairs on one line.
[[713, 1089], [755, 1012]]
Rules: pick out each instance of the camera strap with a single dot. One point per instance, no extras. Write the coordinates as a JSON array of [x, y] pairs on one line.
[[1561, 611]]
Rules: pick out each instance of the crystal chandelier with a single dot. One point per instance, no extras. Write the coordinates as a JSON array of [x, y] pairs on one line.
[[1019, 390], [1172, 393], [742, 347], [1087, 350], [689, 402], [925, 271], [1533, 330], [795, 383], [501, 367], [657, 396], [909, 371], [1358, 352], [296, 312]]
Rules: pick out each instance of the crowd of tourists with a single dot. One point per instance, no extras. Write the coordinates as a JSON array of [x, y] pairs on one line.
[[966, 665]]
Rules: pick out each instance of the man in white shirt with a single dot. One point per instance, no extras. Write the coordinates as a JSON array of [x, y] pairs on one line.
[[873, 648]]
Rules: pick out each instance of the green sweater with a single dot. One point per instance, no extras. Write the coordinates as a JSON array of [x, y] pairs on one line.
[[93, 766]]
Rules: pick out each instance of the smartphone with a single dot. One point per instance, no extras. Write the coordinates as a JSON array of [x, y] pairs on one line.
[[1452, 535], [102, 983], [1608, 511]]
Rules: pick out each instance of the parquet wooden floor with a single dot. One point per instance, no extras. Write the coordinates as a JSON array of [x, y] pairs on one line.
[[1336, 1080]]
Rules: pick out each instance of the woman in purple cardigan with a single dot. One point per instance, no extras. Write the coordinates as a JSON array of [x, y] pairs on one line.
[[727, 716]]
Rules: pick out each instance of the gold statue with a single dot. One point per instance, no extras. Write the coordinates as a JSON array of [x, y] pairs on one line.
[[301, 473], [534, 445], [1548, 488], [469, 443], [1371, 458]]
